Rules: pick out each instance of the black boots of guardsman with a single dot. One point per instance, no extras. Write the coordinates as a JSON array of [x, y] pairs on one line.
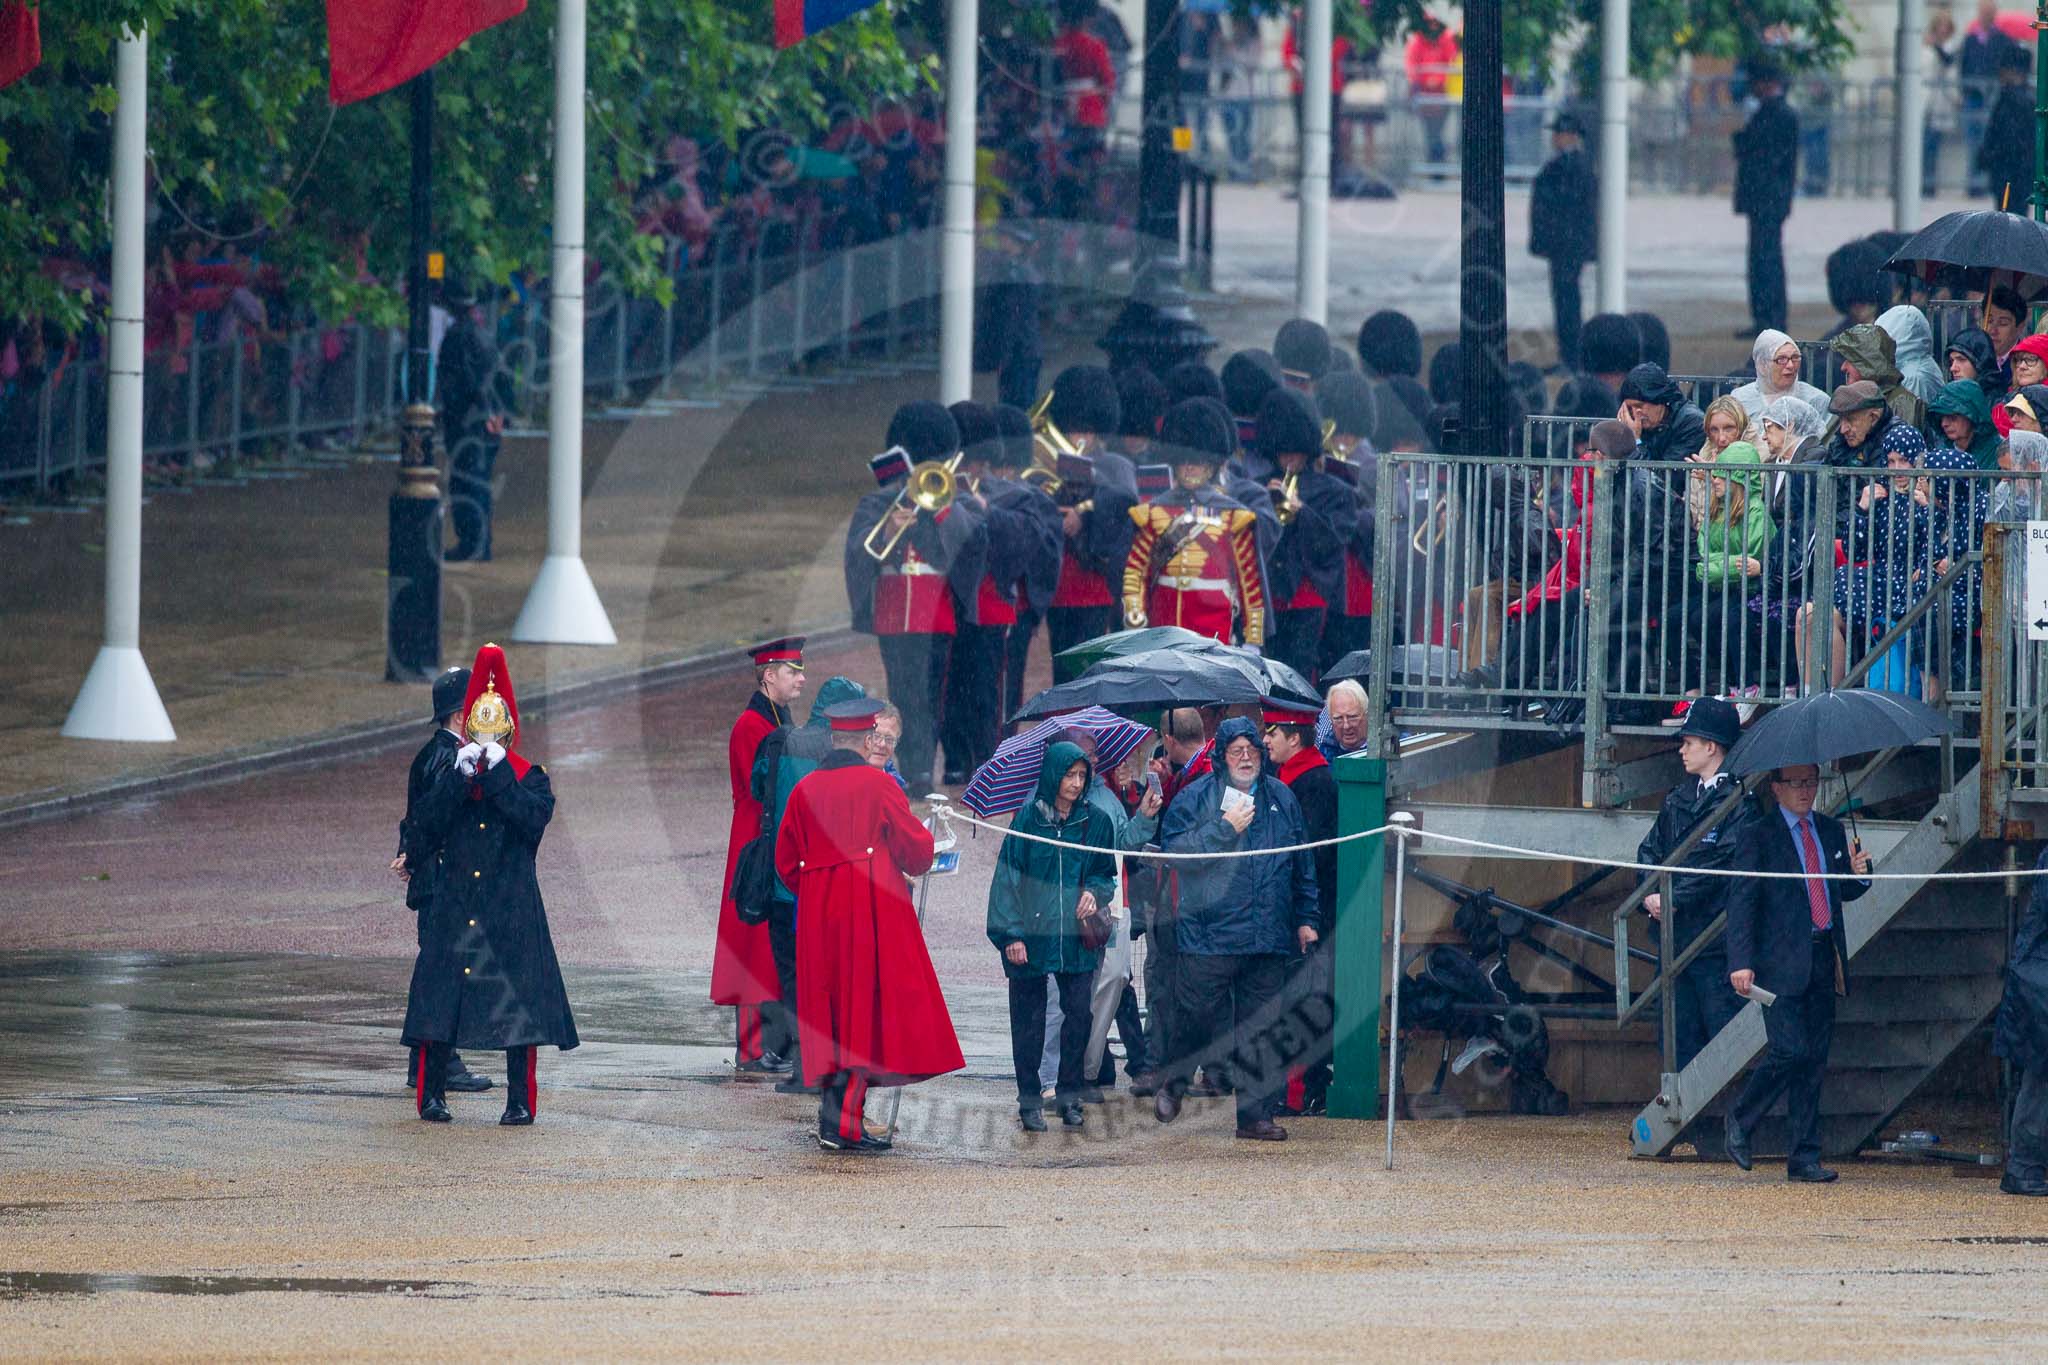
[[522, 1084]]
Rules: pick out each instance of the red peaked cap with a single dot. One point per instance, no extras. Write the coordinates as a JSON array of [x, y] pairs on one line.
[[490, 671]]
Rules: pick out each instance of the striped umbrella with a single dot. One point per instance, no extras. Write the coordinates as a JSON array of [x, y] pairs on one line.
[[1010, 776]]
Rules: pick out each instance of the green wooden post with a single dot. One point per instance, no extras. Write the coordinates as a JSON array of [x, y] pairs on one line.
[[1359, 972], [2040, 115]]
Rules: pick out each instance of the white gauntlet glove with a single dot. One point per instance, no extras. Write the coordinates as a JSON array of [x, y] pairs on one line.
[[494, 754], [466, 758]]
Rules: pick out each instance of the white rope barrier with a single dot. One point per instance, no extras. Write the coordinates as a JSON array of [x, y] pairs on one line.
[[945, 810]]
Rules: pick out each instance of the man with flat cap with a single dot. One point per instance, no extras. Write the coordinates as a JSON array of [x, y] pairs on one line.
[[418, 863], [1703, 997], [743, 971], [869, 1009]]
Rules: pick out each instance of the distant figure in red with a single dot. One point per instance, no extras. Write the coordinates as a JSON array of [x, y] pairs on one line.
[[869, 1010], [743, 965], [1087, 74]]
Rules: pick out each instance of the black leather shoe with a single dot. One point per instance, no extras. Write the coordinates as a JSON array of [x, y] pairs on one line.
[[1092, 1094], [435, 1111], [1071, 1115], [2011, 1184], [775, 1061], [1032, 1119], [1736, 1141], [1810, 1175], [1166, 1105], [758, 1067], [877, 1141], [516, 1115], [835, 1143], [794, 1085], [953, 777], [463, 1080], [1145, 1084], [1265, 1130]]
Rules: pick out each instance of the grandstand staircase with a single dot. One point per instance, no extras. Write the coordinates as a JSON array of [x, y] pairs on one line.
[[1926, 970]]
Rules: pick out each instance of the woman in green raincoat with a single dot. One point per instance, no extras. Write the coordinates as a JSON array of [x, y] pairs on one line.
[[1733, 542], [1036, 902]]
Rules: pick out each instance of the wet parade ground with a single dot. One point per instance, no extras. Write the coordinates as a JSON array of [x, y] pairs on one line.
[[207, 1149]]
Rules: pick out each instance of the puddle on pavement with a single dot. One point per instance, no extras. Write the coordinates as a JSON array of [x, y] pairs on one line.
[[20, 1284]]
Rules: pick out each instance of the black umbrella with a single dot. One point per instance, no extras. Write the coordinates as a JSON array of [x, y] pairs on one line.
[[1191, 680], [1434, 665], [1977, 249], [1284, 681], [1831, 725]]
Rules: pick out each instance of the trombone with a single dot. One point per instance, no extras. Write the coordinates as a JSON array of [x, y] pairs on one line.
[[930, 488]]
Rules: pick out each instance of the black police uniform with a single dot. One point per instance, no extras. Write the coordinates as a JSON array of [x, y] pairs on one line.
[[1703, 998]]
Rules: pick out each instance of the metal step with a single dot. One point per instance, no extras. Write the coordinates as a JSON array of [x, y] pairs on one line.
[[1896, 1025]]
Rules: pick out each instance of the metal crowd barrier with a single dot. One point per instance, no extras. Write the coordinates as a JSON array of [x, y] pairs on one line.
[[1573, 596], [736, 318]]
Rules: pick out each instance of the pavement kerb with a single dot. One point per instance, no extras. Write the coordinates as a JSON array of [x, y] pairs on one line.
[[375, 735]]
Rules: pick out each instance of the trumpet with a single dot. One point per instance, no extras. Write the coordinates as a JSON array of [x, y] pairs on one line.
[[1290, 492], [1429, 533], [1333, 449], [930, 488]]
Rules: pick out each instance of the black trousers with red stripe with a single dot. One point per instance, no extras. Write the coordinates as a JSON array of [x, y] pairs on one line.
[[522, 1074], [973, 714], [915, 668], [842, 1099]]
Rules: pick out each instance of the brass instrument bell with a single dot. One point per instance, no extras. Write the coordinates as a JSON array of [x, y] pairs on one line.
[[930, 487]]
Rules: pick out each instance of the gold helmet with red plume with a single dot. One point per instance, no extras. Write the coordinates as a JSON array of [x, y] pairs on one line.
[[490, 714]]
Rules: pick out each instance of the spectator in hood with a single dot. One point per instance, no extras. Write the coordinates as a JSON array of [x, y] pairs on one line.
[[1964, 415], [1776, 358], [1867, 352], [2027, 410], [1913, 350], [1241, 919], [1667, 425], [1970, 357]]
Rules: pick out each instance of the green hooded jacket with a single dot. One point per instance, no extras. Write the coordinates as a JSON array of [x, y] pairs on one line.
[[1966, 398], [1872, 351], [1723, 546], [797, 755], [1037, 886]]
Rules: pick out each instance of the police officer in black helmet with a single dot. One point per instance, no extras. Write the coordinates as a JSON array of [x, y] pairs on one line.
[[1703, 998], [418, 860]]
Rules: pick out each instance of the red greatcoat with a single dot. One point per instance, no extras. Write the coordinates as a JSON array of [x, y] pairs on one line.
[[743, 965], [868, 1000]]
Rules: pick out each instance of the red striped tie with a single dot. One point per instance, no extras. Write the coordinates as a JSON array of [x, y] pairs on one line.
[[1816, 889]]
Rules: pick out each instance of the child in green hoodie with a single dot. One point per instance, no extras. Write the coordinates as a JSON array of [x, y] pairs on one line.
[[1733, 542]]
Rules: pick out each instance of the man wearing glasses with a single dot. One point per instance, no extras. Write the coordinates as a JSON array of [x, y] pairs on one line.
[[1785, 935]]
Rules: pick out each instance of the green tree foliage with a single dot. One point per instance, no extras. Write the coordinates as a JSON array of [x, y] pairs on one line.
[[242, 139]]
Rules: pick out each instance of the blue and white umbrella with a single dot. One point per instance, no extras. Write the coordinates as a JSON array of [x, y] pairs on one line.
[[1010, 777]]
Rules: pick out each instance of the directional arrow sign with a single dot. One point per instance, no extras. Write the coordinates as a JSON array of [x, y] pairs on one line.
[[2037, 580]]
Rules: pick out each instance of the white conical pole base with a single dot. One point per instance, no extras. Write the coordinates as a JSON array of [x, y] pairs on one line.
[[119, 701], [562, 607]]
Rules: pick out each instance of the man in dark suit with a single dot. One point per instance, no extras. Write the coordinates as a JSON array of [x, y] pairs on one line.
[[1564, 227], [1785, 935]]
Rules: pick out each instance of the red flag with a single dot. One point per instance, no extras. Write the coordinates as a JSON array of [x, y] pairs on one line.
[[373, 45], [21, 42]]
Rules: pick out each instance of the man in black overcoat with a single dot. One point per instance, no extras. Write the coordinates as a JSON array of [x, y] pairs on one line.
[[487, 974], [418, 862], [1766, 175], [1564, 228], [1704, 1002], [2021, 1038], [1786, 935], [475, 394]]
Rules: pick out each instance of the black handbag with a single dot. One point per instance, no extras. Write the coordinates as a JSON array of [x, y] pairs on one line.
[[753, 880]]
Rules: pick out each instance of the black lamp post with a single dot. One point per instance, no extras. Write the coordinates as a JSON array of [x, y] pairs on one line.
[[1482, 275], [412, 610], [1156, 327]]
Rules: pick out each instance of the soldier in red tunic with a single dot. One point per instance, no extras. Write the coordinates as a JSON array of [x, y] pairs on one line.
[[904, 595], [869, 1010], [743, 964], [1195, 560]]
